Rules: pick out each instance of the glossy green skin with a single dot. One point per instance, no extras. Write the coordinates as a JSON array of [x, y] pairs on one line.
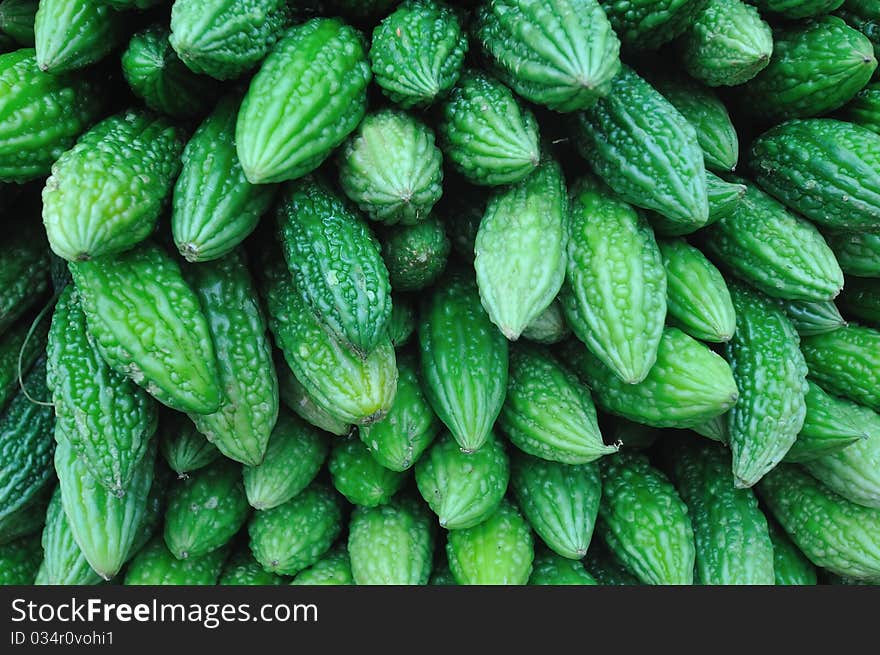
[[19, 561], [861, 300], [486, 134], [154, 514], [391, 168], [40, 115], [606, 569], [559, 53], [294, 395], [614, 297], [810, 318], [648, 24], [27, 519], [830, 425], [72, 34], [308, 95], [63, 561], [155, 565], [727, 45], [205, 510], [359, 477], [392, 544], [104, 526], [241, 569], [549, 326], [214, 207], [349, 388], [24, 272], [547, 412], [402, 323], [332, 569], [520, 249], [770, 374], [714, 429], [498, 551], [295, 454], [464, 361], [147, 324], [688, 385], [336, 263], [417, 52], [107, 418], [816, 67], [645, 150], [832, 532], [845, 362], [704, 110], [249, 406], [732, 541], [853, 472], [552, 569], [415, 255], [106, 193], [14, 342], [864, 109], [857, 253], [798, 8], [825, 169], [158, 77], [17, 20], [724, 197], [399, 440], [26, 443], [293, 536], [697, 297], [184, 448], [560, 502], [225, 39], [645, 522], [798, 266], [790, 567], [463, 489]]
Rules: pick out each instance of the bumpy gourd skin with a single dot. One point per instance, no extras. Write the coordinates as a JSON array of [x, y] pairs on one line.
[[810, 318], [391, 168], [295, 396], [63, 561], [825, 169], [864, 15], [688, 384], [774, 250], [548, 412], [155, 565], [106, 193], [399, 440], [40, 115], [846, 362], [614, 296], [157, 76], [727, 45], [816, 67], [336, 263], [464, 361], [183, 447], [147, 324], [770, 374], [26, 444], [731, 536], [519, 252], [854, 471], [857, 252], [392, 544], [864, 109], [831, 424], [71, 34], [549, 326], [415, 255], [647, 24], [295, 454], [417, 52], [498, 551], [723, 199], [350, 388], [790, 566], [309, 94], [798, 8], [559, 53], [832, 532], [644, 521], [241, 569], [214, 207], [334, 568], [17, 20], [402, 323], [645, 150], [225, 39], [107, 418], [552, 569], [104, 525], [249, 406], [463, 489], [19, 560], [27, 519], [293, 536], [24, 271], [488, 135], [360, 478]]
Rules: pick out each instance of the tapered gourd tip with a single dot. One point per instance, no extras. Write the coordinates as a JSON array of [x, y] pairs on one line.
[[189, 252], [740, 483], [443, 521], [510, 333]]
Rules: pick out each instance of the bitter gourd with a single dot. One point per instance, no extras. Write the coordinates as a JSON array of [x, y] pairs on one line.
[[332, 569], [810, 318], [184, 448], [864, 109], [359, 477], [845, 362], [415, 255], [155, 565], [19, 560], [854, 471], [71, 34], [63, 561], [798, 8], [549, 326], [790, 567], [294, 395], [17, 20], [857, 252], [830, 425], [241, 569], [552, 569], [648, 24]]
